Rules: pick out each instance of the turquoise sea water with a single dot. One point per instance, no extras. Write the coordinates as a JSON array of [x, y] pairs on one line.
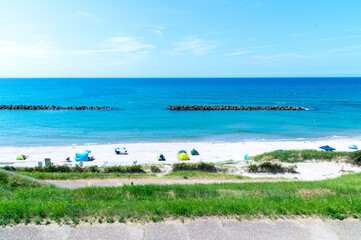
[[334, 103]]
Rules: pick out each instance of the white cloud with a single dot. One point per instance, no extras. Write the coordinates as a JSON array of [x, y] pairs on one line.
[[119, 50], [335, 38], [241, 51], [280, 56], [83, 14], [158, 32], [192, 45], [236, 53], [344, 49], [38, 49], [119, 44]]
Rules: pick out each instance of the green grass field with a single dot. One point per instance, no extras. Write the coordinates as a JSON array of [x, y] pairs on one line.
[[173, 175], [24, 201], [84, 175]]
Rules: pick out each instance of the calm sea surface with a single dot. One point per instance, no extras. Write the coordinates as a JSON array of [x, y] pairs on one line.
[[334, 103]]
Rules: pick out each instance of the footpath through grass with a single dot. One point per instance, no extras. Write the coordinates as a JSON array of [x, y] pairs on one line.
[[24, 202]]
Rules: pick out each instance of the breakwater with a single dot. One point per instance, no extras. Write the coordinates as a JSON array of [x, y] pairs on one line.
[[232, 107], [44, 107]]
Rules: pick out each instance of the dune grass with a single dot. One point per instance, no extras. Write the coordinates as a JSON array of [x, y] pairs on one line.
[[293, 156], [193, 174], [335, 198], [173, 175], [84, 175]]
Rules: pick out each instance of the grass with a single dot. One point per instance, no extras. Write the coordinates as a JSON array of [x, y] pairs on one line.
[[293, 156], [202, 175], [84, 175], [21, 201], [202, 166], [271, 168]]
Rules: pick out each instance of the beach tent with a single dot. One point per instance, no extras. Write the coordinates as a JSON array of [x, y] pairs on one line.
[[161, 157], [279, 150], [247, 156], [194, 152], [83, 156], [353, 147], [122, 150], [20, 157], [182, 155], [327, 148]]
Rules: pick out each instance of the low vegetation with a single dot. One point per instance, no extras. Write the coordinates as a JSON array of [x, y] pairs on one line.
[[293, 156], [203, 175], [24, 202], [84, 175], [206, 167], [268, 167], [77, 169]]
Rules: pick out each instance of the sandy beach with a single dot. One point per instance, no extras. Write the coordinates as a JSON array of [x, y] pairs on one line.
[[146, 153]]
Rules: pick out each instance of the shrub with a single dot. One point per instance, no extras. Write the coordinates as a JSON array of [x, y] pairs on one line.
[[206, 167], [77, 168], [124, 169], [10, 168], [271, 168], [155, 169], [93, 169], [134, 169], [356, 157], [50, 168], [62, 168]]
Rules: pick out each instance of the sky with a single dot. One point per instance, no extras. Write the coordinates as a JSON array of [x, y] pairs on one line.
[[183, 38]]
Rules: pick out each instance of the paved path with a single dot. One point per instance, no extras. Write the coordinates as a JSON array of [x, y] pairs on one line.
[[206, 228]]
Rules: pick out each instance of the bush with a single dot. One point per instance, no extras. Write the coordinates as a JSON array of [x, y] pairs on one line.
[[10, 168], [93, 169], [356, 157], [205, 167], [155, 169], [50, 168], [271, 168], [124, 169], [77, 168], [62, 168]]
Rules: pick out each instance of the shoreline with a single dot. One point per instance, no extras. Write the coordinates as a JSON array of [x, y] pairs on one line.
[[210, 151], [195, 140]]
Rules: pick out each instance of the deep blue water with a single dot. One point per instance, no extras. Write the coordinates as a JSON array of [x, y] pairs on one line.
[[335, 105]]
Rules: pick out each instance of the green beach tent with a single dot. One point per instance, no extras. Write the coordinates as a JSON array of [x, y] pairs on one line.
[[161, 157], [194, 152], [20, 157], [182, 155]]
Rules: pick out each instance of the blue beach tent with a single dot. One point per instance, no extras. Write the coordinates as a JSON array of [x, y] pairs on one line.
[[82, 156], [353, 147], [327, 148], [247, 156]]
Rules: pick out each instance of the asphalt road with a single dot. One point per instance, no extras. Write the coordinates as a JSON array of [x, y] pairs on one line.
[[206, 228]]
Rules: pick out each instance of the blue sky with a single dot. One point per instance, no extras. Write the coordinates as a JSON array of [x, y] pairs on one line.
[[164, 38]]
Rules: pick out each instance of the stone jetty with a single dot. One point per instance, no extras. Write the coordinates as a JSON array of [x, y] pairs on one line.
[[232, 107], [44, 107]]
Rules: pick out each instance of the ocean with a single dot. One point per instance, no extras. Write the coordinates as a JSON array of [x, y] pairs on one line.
[[334, 110]]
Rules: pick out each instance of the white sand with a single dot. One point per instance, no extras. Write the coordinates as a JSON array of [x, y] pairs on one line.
[[146, 153]]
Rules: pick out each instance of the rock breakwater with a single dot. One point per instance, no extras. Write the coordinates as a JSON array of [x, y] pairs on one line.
[[232, 107], [44, 107]]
